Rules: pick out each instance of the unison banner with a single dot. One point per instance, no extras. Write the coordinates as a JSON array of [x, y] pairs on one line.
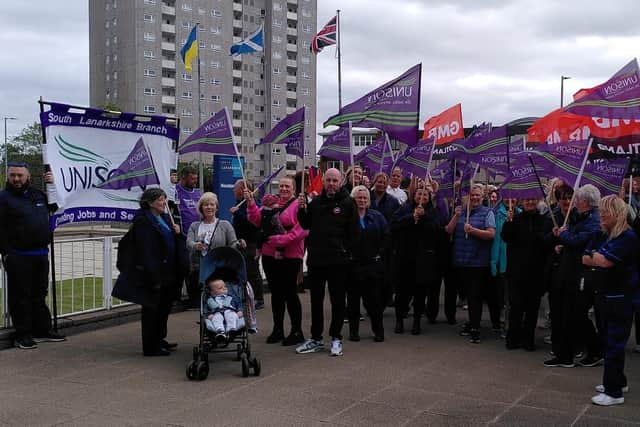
[[102, 163]]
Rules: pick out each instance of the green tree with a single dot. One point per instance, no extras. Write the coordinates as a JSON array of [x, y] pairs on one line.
[[110, 106], [27, 147]]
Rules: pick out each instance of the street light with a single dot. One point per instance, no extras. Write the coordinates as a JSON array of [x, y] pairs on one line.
[[6, 148], [562, 79]]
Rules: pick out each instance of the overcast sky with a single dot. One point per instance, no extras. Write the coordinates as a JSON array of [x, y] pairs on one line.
[[501, 59]]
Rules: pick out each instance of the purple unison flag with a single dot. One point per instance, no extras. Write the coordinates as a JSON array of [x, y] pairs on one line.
[[289, 131], [560, 160], [337, 146], [137, 170], [371, 156], [606, 174], [213, 136], [392, 107], [416, 159], [617, 98], [522, 181], [262, 187], [488, 147]]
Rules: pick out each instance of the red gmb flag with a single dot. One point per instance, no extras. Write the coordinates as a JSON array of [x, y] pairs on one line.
[[446, 126]]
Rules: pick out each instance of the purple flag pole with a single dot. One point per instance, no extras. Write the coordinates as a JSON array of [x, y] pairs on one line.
[[577, 183]]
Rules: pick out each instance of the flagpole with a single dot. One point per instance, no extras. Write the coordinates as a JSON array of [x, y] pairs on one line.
[[339, 60], [577, 183], [473, 177], [630, 188], [384, 146], [353, 179], [544, 196], [427, 174], [200, 161]]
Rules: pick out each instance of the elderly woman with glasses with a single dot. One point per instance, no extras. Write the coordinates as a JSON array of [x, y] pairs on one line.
[[612, 256]]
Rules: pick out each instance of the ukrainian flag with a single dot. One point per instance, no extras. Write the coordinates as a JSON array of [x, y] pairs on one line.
[[190, 48]]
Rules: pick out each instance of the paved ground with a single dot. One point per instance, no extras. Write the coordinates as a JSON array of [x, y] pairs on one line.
[[99, 378]]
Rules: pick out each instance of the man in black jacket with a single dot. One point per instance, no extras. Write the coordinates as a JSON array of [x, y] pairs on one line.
[[333, 224], [24, 240]]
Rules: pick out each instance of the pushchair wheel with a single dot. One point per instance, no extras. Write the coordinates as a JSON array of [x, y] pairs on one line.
[[256, 367], [247, 348], [245, 366], [238, 352], [202, 370], [191, 370]]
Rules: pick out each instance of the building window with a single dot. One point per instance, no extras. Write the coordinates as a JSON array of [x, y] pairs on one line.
[[187, 113], [306, 59], [202, 45], [216, 47], [202, 96], [187, 94], [215, 98], [149, 73], [106, 25], [277, 23], [148, 18], [306, 13], [306, 76], [201, 12], [115, 56], [275, 103], [107, 42], [187, 77], [277, 55], [115, 39], [216, 82], [149, 1], [215, 64], [306, 28], [114, 22], [187, 130], [277, 7], [216, 13], [115, 76], [150, 37], [107, 77], [276, 70], [149, 54], [306, 44], [149, 91], [276, 86], [149, 109], [306, 91], [186, 25], [275, 119], [186, 6], [216, 30], [277, 39]]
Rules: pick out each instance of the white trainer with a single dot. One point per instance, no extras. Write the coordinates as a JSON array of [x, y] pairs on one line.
[[310, 346], [600, 389], [606, 400], [336, 347]]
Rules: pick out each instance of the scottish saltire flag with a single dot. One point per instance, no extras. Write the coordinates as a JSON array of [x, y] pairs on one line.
[[326, 36], [375, 157], [262, 187], [213, 136], [136, 170], [606, 174], [393, 108], [337, 146], [617, 98], [190, 49], [560, 160], [522, 180], [253, 43], [289, 131], [416, 159]]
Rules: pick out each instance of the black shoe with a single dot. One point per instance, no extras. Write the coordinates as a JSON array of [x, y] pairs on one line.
[[158, 352], [171, 346], [25, 343], [399, 326], [591, 361], [221, 339], [466, 330], [293, 339], [378, 337], [415, 329], [354, 336], [50, 337], [474, 336], [276, 336], [555, 362]]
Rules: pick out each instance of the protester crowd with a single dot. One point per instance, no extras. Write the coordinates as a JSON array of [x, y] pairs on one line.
[[382, 242]]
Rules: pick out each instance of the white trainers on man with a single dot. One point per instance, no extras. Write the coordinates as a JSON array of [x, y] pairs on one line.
[[310, 346], [336, 347], [606, 400], [600, 389]]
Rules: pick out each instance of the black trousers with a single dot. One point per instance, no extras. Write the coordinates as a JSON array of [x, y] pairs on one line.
[[154, 319], [282, 275], [28, 279], [479, 289], [447, 278], [253, 271], [193, 288], [523, 313], [577, 331], [335, 277], [366, 282], [615, 327]]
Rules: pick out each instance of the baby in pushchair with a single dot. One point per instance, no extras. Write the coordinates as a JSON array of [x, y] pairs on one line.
[[224, 315]]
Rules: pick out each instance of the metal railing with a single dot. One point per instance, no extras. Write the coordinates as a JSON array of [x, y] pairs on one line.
[[85, 274]]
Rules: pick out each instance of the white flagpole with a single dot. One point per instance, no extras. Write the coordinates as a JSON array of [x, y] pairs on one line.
[[384, 146], [577, 183], [630, 188], [200, 161]]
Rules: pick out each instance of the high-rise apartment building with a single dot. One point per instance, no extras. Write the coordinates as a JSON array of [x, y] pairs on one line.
[[135, 64]]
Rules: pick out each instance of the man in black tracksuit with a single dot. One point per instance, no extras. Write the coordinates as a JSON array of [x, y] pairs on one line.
[[24, 240], [333, 224]]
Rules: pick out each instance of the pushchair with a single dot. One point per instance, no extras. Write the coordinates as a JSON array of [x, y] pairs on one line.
[[227, 264]]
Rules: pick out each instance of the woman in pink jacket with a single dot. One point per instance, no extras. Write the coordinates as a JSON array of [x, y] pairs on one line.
[[282, 251]]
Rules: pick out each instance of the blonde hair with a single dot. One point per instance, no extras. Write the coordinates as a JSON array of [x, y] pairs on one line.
[[207, 197], [359, 188], [617, 208], [551, 191]]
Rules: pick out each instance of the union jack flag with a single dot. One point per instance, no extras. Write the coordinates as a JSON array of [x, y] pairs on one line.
[[326, 36]]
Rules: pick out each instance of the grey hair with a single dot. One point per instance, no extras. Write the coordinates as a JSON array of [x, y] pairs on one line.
[[359, 188], [590, 194]]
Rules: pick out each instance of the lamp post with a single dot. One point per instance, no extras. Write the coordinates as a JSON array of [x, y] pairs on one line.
[[562, 79], [6, 148]]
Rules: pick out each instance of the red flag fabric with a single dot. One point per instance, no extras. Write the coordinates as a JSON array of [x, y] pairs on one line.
[[326, 36], [315, 181], [446, 126]]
